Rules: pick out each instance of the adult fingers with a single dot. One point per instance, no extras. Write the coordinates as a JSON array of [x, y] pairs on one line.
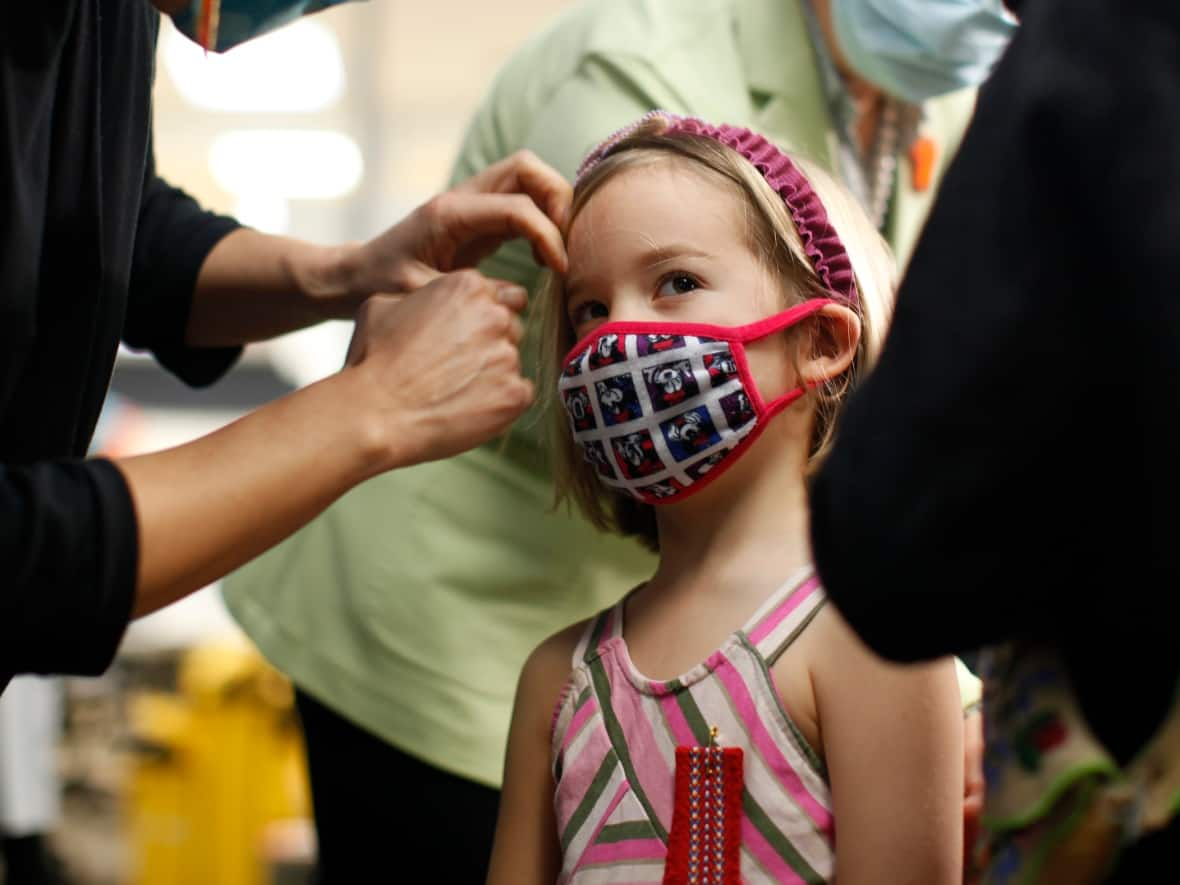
[[525, 173], [483, 221], [508, 299], [512, 296], [527, 391], [515, 329], [416, 274]]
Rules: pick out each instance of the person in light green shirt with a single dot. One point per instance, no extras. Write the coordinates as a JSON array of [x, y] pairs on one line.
[[404, 613]]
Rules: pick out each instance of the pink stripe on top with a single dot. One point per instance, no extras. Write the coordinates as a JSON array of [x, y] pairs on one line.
[[630, 849], [781, 613], [763, 742], [588, 709]]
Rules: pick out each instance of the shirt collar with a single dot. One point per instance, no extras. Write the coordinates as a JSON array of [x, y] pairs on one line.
[[773, 65]]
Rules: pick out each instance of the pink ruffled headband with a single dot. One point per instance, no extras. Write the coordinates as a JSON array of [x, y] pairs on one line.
[[821, 243]]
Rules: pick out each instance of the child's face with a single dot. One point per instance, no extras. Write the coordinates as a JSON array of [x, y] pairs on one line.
[[661, 243]]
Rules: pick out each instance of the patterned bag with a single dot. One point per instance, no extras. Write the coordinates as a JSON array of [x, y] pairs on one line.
[[1058, 808]]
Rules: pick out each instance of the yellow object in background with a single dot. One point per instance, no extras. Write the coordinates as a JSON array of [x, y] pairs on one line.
[[216, 767]]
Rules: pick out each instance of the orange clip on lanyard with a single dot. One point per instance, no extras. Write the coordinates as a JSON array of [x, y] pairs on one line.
[[923, 154]]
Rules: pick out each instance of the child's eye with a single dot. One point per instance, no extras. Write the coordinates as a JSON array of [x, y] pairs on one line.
[[678, 283], [586, 312]]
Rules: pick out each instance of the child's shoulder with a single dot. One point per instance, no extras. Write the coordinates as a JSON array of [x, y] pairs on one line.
[[545, 677], [548, 666], [556, 653]]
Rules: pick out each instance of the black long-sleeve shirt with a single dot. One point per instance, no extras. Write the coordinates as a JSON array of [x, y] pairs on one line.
[[94, 248], [1012, 466]]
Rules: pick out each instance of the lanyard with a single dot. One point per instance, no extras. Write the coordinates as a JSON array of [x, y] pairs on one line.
[[870, 176]]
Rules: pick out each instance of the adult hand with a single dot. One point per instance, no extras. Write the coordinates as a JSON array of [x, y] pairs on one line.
[[428, 375], [519, 196], [439, 369], [253, 286]]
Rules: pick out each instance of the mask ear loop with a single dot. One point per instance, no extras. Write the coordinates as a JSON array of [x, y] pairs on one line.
[[744, 335]]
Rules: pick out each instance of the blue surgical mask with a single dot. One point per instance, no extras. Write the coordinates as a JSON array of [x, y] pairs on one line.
[[223, 24], [917, 49]]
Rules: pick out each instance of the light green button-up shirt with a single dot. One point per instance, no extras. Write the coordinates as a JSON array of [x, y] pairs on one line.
[[410, 605]]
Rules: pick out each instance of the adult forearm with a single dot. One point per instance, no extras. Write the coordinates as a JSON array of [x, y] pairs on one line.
[[253, 286], [209, 506], [427, 376]]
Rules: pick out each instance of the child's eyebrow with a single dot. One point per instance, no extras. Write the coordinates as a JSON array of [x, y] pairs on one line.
[[658, 255], [646, 260]]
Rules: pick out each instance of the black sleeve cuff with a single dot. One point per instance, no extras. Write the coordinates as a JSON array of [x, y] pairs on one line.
[[174, 237]]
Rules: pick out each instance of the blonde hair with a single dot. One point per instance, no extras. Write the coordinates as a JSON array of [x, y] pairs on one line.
[[773, 239]]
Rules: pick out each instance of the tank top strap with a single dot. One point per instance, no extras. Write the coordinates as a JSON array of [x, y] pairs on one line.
[[600, 629], [785, 614]]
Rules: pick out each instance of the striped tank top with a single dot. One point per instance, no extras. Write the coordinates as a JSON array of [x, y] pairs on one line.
[[615, 734]]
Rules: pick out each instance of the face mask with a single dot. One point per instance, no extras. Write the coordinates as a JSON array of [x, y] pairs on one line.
[[661, 409], [222, 24], [917, 49]]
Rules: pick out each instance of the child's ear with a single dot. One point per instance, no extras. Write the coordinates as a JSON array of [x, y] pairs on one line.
[[830, 345]]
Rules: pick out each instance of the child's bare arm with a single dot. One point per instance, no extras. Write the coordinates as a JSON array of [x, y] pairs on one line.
[[893, 741], [526, 850]]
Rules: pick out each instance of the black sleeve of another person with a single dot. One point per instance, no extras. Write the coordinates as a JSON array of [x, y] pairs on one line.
[[173, 238], [1012, 466], [83, 598], [69, 547], [68, 531]]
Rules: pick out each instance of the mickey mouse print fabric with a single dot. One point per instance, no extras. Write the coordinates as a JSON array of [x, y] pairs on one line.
[[661, 409]]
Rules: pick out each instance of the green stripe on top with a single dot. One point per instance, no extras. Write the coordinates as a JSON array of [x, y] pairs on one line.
[[632, 829], [781, 844], [579, 703], [601, 779], [775, 653], [800, 742], [584, 696], [619, 741], [692, 713], [596, 635]]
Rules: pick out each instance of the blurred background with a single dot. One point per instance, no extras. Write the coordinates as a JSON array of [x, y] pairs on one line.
[[183, 764]]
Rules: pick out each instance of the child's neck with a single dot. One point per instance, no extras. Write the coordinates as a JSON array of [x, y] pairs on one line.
[[749, 531], [723, 552]]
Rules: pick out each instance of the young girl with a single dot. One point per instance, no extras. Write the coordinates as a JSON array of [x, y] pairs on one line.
[[721, 723]]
